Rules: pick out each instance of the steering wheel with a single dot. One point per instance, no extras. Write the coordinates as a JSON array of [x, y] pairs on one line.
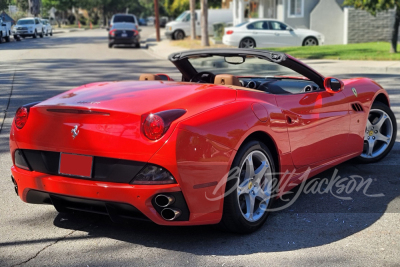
[[199, 77]]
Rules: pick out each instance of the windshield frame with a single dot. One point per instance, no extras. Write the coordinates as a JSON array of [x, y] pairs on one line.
[[180, 60]]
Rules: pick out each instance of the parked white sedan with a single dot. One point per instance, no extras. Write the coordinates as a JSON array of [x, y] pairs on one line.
[[47, 28], [269, 33]]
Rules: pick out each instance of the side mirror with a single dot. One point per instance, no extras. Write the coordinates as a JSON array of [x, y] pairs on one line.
[[289, 29], [333, 85]]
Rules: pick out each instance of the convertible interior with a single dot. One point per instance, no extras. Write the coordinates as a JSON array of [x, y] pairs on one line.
[[271, 85], [269, 72]]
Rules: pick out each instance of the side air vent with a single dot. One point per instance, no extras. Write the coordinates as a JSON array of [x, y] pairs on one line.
[[357, 107]]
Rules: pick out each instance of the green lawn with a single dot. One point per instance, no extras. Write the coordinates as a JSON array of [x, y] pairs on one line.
[[364, 51]]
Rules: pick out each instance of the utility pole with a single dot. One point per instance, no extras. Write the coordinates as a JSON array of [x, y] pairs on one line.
[[193, 18], [157, 15], [204, 23]]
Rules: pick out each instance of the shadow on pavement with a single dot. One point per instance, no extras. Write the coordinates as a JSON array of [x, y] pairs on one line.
[[312, 220]]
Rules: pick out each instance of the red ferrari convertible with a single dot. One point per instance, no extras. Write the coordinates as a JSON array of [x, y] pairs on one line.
[[203, 150]]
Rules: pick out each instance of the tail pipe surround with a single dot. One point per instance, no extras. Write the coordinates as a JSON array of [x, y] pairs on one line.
[[171, 206], [170, 214], [164, 201]]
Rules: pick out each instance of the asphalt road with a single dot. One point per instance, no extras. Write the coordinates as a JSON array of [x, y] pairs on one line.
[[318, 229]]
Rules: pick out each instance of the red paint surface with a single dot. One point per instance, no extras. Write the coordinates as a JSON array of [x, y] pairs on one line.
[[76, 165], [199, 147]]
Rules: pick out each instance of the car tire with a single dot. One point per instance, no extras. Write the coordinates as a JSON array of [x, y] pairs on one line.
[[380, 134], [51, 33], [1, 38], [7, 38], [241, 189], [310, 41], [34, 35], [179, 35], [110, 45], [47, 33], [247, 43], [41, 34], [137, 45]]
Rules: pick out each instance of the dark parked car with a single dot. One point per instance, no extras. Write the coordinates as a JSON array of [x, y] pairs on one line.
[[124, 33], [163, 21]]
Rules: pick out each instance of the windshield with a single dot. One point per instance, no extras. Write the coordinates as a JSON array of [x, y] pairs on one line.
[[123, 18], [252, 66], [25, 22], [181, 16]]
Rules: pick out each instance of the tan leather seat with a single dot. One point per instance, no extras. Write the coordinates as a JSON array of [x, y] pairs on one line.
[[149, 77], [226, 79]]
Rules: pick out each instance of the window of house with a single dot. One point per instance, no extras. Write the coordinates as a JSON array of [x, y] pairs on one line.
[[296, 8]]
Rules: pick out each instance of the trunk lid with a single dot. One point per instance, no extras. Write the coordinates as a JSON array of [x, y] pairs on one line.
[[107, 117]]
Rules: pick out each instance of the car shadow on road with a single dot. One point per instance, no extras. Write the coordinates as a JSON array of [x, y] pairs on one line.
[[312, 220]]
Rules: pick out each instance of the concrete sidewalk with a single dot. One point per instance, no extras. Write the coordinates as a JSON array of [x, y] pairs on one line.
[[164, 48]]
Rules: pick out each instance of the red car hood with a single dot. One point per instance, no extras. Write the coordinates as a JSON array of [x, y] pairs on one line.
[[115, 131]]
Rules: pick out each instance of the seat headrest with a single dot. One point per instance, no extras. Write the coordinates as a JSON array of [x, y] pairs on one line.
[[149, 77], [226, 79]]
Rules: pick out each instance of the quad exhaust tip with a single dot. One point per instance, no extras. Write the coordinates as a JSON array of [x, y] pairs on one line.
[[170, 214], [164, 201]]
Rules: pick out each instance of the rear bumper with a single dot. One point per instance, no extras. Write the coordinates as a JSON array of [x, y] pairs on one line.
[[113, 199], [121, 40], [227, 41]]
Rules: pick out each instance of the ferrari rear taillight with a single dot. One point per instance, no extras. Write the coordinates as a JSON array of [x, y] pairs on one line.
[[135, 32], [21, 117], [156, 125], [229, 32], [112, 32]]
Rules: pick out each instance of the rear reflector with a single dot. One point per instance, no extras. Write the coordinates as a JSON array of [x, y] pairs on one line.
[[229, 32], [20, 161]]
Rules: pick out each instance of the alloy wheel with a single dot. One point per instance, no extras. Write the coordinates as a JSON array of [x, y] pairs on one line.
[[378, 133], [255, 187], [247, 43], [310, 42]]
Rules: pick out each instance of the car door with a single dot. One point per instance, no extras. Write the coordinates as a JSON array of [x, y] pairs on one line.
[[260, 32], [283, 35], [318, 125]]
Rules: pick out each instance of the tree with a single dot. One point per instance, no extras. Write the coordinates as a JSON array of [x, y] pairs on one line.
[[193, 18], [23, 5], [374, 6], [4, 5], [204, 23]]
